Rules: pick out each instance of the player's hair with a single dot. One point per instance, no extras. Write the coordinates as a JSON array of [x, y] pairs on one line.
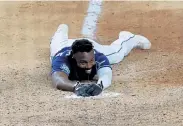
[[81, 45]]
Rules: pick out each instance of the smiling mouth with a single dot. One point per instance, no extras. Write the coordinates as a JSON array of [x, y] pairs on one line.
[[88, 71]]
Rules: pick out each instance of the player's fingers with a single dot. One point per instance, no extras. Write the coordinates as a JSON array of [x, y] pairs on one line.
[[97, 91], [85, 95], [91, 88], [82, 93], [82, 90]]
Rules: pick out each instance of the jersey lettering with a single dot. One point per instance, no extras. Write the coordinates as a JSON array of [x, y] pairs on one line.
[[65, 69]]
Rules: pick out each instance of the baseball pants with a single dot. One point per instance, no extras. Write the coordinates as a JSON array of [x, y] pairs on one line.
[[115, 52]]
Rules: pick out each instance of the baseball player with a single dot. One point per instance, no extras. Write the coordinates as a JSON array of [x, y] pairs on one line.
[[83, 66]]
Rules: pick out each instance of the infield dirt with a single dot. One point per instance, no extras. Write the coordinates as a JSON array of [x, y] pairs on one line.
[[150, 82]]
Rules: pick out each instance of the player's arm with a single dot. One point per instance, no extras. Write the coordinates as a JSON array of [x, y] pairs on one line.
[[60, 73], [105, 76], [104, 71], [60, 81]]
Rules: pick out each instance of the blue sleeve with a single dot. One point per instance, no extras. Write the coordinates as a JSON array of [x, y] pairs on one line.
[[102, 61], [60, 63]]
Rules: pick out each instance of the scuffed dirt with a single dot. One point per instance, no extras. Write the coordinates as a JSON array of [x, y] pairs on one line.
[[150, 82]]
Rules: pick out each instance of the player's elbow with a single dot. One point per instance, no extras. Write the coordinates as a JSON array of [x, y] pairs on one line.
[[56, 81], [56, 84]]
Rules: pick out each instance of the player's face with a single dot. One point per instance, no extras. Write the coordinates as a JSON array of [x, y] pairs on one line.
[[85, 60]]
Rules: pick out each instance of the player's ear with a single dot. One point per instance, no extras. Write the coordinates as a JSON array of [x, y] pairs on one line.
[[72, 55]]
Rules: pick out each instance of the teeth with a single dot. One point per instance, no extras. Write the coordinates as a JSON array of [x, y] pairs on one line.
[[88, 71]]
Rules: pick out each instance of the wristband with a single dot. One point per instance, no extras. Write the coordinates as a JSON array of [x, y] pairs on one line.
[[101, 85], [76, 84]]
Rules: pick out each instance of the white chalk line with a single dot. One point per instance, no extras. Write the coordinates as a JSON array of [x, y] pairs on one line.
[[89, 26], [102, 95]]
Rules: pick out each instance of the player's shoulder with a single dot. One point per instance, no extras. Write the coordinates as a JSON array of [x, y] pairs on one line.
[[99, 54], [60, 61], [101, 60], [63, 52]]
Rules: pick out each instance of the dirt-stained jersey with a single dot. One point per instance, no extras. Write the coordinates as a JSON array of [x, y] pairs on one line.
[[64, 62]]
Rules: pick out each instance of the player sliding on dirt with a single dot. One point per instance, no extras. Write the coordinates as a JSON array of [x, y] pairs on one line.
[[83, 66]]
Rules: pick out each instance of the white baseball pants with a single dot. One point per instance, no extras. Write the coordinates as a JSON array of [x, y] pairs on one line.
[[115, 52]]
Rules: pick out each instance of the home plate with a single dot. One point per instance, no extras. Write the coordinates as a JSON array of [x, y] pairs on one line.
[[102, 95]]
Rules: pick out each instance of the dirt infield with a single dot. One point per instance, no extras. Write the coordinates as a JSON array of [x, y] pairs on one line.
[[150, 83]]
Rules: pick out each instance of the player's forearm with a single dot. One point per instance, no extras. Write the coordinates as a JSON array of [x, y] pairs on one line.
[[106, 81], [105, 75], [65, 85], [62, 83]]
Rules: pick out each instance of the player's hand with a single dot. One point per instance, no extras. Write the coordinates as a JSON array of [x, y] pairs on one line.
[[87, 90], [95, 89], [81, 90]]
